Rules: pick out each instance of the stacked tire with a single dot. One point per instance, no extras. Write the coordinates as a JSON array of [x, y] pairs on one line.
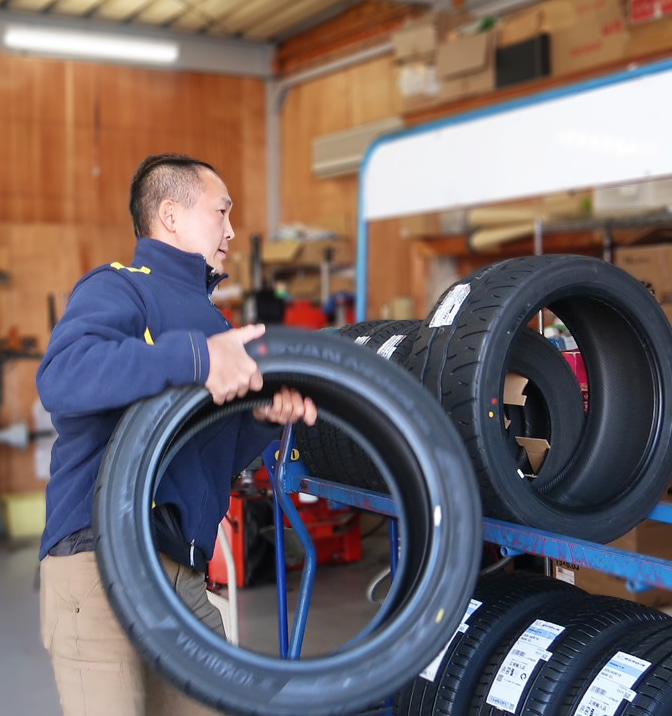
[[534, 646], [619, 466], [327, 450], [604, 468]]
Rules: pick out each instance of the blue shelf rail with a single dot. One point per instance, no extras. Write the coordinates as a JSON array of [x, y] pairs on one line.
[[641, 572]]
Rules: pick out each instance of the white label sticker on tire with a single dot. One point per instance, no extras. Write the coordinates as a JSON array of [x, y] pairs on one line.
[[514, 672], [390, 345], [446, 312], [612, 685], [430, 671], [362, 340]]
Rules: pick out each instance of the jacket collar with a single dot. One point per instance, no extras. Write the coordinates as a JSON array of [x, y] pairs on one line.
[[176, 265]]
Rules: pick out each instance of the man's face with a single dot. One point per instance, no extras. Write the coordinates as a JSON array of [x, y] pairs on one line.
[[205, 228]]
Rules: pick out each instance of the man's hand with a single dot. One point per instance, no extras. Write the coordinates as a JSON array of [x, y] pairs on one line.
[[232, 372], [289, 406]]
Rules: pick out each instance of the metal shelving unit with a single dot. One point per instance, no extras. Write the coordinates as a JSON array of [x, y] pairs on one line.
[[640, 571]]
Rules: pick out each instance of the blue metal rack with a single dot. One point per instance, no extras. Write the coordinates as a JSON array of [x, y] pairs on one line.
[[641, 572]]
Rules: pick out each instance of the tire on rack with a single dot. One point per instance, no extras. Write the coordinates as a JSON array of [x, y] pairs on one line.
[[430, 475], [653, 693], [327, 451], [577, 634], [500, 603], [553, 409], [622, 463]]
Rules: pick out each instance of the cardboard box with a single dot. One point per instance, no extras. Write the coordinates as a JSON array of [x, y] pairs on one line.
[[434, 223], [465, 66], [281, 252], [648, 10], [649, 38], [520, 26], [313, 253], [23, 514], [652, 265], [636, 198], [599, 36], [547, 17], [296, 254], [416, 41], [650, 538], [419, 38]]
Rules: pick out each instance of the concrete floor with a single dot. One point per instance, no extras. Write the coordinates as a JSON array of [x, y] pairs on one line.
[[339, 609]]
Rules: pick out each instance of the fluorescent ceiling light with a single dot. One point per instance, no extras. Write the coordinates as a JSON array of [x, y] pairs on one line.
[[90, 44]]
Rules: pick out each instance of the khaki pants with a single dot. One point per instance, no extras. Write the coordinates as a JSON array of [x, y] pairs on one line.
[[98, 672]]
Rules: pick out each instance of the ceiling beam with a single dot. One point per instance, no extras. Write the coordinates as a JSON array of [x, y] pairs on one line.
[[226, 56], [288, 17]]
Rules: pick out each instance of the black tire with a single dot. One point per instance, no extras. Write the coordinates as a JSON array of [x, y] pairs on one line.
[[553, 409], [353, 331], [327, 451], [652, 643], [501, 602], [623, 461], [430, 476], [586, 625], [581, 647], [654, 691]]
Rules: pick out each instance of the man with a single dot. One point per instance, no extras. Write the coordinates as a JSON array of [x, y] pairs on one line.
[[129, 333]]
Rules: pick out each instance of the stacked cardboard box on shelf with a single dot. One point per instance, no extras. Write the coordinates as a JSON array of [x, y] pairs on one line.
[[465, 66], [652, 265], [297, 265], [597, 36], [415, 52], [649, 538], [650, 23], [445, 56]]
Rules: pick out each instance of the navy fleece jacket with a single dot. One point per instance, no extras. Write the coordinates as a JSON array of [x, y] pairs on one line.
[[129, 333]]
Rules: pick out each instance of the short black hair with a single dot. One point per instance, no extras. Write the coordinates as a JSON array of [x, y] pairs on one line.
[[159, 177]]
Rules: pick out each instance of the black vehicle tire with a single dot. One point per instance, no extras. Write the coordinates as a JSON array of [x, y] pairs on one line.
[[651, 642], [506, 600], [582, 647], [588, 625], [436, 499], [328, 452], [553, 410], [654, 692], [623, 461]]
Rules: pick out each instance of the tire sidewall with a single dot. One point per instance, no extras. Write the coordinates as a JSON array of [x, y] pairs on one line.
[[249, 681], [550, 283]]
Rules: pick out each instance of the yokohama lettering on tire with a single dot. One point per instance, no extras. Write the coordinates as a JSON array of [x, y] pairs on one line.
[[436, 498]]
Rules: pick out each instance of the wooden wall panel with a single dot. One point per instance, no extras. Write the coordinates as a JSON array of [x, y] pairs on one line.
[[357, 28], [361, 94], [73, 134]]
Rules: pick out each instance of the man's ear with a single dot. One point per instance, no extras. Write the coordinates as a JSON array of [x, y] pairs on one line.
[[167, 212]]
